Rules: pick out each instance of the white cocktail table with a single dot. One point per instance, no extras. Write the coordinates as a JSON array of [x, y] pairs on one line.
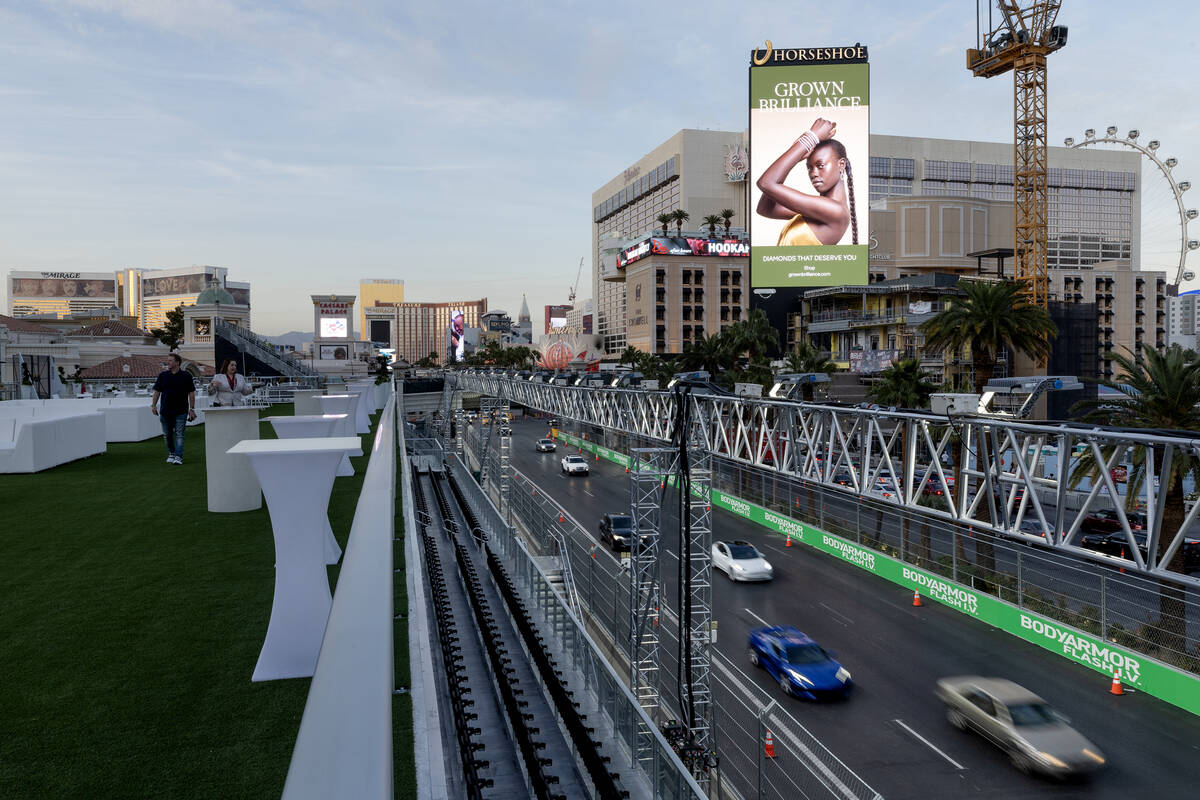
[[341, 404], [231, 482], [304, 402], [362, 414], [296, 476], [312, 426]]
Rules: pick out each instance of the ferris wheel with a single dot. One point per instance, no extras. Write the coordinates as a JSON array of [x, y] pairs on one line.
[[1164, 217]]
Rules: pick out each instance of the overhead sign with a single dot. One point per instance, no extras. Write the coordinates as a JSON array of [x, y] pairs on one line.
[[809, 140]]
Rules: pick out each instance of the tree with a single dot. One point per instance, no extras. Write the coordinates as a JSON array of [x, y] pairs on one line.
[[1161, 392], [903, 384], [631, 356], [993, 316], [805, 357], [727, 215], [172, 334], [664, 219], [754, 335], [680, 216], [713, 354], [429, 361], [712, 221]]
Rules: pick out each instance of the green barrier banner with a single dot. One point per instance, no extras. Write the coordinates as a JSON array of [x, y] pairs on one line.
[[1169, 684]]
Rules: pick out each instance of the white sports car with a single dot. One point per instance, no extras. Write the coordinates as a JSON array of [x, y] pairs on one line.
[[741, 561]]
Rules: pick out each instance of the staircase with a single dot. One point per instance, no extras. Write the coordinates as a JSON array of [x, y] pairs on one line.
[[234, 341]]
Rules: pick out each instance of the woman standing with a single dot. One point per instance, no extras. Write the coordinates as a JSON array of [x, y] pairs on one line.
[[228, 388], [819, 219]]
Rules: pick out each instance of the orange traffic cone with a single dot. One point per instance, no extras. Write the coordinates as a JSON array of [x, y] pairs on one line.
[[562, 518], [916, 599], [627, 470], [769, 746], [1116, 684], [789, 542], [597, 456]]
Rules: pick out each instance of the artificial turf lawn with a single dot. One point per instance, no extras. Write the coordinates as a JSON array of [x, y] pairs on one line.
[[132, 621]]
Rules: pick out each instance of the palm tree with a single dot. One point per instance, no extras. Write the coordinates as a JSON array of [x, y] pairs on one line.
[[680, 216], [903, 384], [712, 354], [726, 214], [664, 219], [805, 357], [754, 334], [1161, 391], [631, 356], [993, 316], [712, 221]]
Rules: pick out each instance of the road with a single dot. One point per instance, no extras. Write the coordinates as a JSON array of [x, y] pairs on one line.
[[892, 731]]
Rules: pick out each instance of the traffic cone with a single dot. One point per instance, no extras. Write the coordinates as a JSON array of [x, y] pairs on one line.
[[916, 599], [769, 746], [1117, 689], [627, 470], [597, 455], [562, 518], [789, 542]]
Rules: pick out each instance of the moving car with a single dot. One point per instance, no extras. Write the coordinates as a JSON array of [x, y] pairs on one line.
[[545, 446], [575, 465], [798, 664], [616, 530], [1105, 520], [741, 561], [1035, 737], [1115, 544]]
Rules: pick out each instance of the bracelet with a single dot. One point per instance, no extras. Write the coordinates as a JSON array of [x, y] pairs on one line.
[[809, 138]]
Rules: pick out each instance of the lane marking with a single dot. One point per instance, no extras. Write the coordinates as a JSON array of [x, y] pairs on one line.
[[837, 614], [757, 617], [589, 494], [928, 744], [779, 550]]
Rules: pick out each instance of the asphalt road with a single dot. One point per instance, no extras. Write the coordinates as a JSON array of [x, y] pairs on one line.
[[892, 731]]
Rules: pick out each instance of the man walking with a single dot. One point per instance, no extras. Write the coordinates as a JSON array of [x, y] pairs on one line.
[[178, 392]]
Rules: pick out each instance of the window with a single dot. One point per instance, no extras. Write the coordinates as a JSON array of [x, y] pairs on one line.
[[880, 167], [958, 171], [985, 173], [935, 170], [903, 168]]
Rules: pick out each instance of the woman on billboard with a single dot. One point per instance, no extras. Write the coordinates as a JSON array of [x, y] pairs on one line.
[[819, 219]]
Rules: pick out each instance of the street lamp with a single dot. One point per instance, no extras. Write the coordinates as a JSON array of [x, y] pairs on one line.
[[1031, 387]]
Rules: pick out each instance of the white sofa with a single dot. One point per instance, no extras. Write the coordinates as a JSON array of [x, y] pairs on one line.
[[126, 419], [32, 442]]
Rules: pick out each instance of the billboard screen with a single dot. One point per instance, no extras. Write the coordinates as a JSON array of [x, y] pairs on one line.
[[63, 284], [174, 284], [333, 327], [456, 342], [809, 185], [381, 331], [681, 246]]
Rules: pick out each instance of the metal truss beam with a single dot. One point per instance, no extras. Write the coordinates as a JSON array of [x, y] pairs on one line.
[[1018, 477]]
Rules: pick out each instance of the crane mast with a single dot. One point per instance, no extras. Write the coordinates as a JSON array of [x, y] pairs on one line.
[[1019, 41]]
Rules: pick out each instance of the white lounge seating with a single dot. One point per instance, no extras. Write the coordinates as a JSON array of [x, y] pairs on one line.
[[32, 442]]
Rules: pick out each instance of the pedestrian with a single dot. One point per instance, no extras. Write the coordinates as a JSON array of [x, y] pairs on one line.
[[178, 392], [227, 387]]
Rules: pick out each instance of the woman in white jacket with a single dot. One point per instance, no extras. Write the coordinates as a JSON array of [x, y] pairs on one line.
[[228, 388]]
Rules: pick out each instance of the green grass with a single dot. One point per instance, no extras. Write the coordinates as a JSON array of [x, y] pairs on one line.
[[132, 620]]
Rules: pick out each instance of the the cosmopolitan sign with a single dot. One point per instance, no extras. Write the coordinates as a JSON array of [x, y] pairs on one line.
[[682, 246]]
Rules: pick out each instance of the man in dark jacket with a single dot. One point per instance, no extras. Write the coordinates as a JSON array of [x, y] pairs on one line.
[[178, 392]]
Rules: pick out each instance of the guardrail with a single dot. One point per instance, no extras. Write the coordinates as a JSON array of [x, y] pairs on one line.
[[344, 747]]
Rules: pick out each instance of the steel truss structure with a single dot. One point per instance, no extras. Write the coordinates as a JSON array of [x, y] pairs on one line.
[[647, 482], [1017, 471]]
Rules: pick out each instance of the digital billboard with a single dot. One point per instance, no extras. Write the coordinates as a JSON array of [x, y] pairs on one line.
[[456, 343], [174, 284], [809, 185], [681, 246], [64, 284], [333, 327]]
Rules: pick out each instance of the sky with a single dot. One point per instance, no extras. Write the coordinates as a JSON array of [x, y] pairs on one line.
[[455, 145]]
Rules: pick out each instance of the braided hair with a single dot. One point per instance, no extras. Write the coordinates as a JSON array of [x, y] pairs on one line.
[[840, 149]]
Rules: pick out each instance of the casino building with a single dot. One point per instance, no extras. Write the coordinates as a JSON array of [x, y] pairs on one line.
[[145, 294]]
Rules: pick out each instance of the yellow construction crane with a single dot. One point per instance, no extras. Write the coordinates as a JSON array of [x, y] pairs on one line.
[[1019, 40]]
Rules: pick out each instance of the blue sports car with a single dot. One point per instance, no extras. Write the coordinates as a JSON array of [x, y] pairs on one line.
[[801, 666]]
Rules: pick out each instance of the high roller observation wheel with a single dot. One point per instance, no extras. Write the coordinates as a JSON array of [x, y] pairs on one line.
[[1165, 166]]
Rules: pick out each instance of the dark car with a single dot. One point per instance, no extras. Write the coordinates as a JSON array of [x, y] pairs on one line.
[[843, 478], [616, 530], [1106, 520], [798, 664], [1115, 544]]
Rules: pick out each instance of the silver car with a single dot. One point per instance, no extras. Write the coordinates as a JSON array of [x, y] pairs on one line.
[[545, 445], [1035, 736]]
